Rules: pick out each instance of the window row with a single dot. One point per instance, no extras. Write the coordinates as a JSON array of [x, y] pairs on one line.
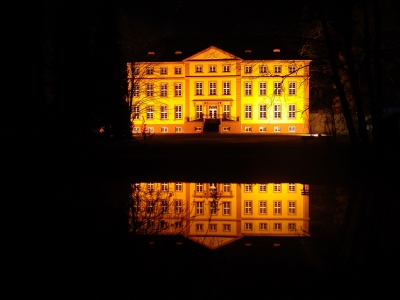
[[164, 112], [262, 88], [213, 187], [212, 68], [163, 70], [212, 88], [291, 129], [156, 207], [262, 207], [149, 90], [264, 69], [262, 187], [277, 113], [247, 227]]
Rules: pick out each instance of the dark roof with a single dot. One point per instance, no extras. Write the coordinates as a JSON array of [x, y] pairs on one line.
[[261, 48]]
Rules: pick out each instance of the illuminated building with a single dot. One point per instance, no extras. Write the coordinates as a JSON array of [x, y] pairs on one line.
[[215, 214], [252, 90]]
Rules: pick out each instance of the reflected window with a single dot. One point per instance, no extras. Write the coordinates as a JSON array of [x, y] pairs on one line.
[[263, 207], [248, 207], [277, 208], [226, 208]]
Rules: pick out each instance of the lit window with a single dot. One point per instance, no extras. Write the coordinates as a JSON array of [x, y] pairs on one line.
[[178, 186], [213, 68], [199, 187], [227, 68], [247, 88], [247, 187], [292, 128], [277, 88], [226, 208], [277, 69], [248, 226], [178, 70], [263, 111], [277, 226], [149, 90], [164, 90], [263, 226], [149, 112], [164, 71], [277, 208], [277, 187], [248, 207], [277, 111], [213, 88], [247, 69], [199, 208], [292, 88], [292, 207], [263, 207], [247, 111], [263, 69], [149, 71], [292, 111], [199, 88], [263, 88], [164, 112], [178, 112], [178, 206], [135, 112], [227, 88], [178, 89]]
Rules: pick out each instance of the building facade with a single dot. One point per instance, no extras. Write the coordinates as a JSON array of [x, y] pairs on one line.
[[215, 214], [214, 90]]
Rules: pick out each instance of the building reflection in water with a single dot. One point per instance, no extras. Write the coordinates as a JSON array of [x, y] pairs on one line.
[[215, 214]]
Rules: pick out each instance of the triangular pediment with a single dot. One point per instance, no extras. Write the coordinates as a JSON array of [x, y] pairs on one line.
[[212, 53], [214, 242]]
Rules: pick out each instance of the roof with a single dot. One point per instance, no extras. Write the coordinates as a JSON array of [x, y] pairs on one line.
[[259, 48]]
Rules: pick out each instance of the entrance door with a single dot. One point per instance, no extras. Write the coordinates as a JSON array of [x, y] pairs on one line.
[[212, 111]]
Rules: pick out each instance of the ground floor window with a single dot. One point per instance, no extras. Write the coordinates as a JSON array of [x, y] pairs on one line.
[[164, 129], [136, 129], [277, 128], [227, 227], [248, 226], [226, 129], [263, 129], [199, 227], [292, 226], [292, 128], [150, 129], [277, 226], [178, 129], [213, 227], [263, 226], [197, 129], [247, 129]]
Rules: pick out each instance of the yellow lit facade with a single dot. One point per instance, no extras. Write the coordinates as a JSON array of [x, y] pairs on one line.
[[214, 90], [214, 214]]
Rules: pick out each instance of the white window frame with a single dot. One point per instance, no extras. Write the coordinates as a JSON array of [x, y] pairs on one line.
[[150, 112], [227, 227], [292, 128], [149, 70], [164, 71], [277, 226], [263, 69], [227, 88], [292, 188], [292, 68], [248, 188], [212, 227], [247, 88], [199, 88], [164, 186], [178, 70], [178, 186], [199, 227], [262, 187], [178, 206], [164, 112], [263, 226], [227, 187], [248, 69], [178, 112], [135, 112], [213, 208], [292, 88], [247, 111], [247, 129], [248, 226], [227, 111], [150, 90], [135, 89], [227, 68], [178, 129], [199, 187], [199, 208], [277, 88], [292, 207], [262, 129], [150, 186], [213, 88], [292, 111], [277, 207], [277, 188], [212, 68], [164, 129], [263, 111], [164, 90], [248, 207], [263, 207], [263, 88], [278, 69], [199, 111], [178, 89], [277, 111], [226, 128], [199, 69], [277, 128], [226, 208], [292, 226]]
